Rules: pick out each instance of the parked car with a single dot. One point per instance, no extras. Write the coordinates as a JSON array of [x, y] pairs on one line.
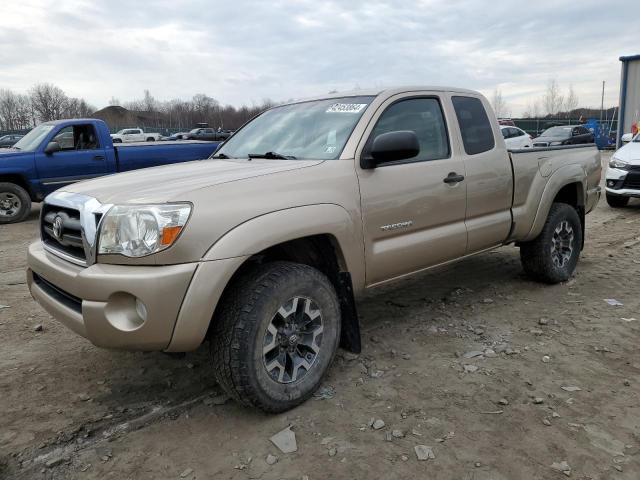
[[507, 122], [623, 174], [564, 135], [262, 251], [176, 136], [207, 134], [130, 135], [8, 141], [55, 154], [515, 138]]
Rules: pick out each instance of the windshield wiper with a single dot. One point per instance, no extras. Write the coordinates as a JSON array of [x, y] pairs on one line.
[[221, 155], [272, 155]]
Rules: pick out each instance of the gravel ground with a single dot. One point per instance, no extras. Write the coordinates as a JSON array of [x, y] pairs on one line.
[[556, 385]]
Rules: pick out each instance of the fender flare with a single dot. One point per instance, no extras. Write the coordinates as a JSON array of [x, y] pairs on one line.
[[562, 177], [236, 246], [260, 233]]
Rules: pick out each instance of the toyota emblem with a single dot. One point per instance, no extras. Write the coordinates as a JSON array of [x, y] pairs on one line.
[[57, 227]]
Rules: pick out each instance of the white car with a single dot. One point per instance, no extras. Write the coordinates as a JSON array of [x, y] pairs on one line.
[[128, 135], [515, 138], [623, 174]]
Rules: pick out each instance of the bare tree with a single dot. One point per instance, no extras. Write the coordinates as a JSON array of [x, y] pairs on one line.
[[113, 101], [571, 103], [48, 101], [499, 104], [149, 103], [553, 100]]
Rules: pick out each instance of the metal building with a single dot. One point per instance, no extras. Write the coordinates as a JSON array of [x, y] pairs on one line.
[[629, 113]]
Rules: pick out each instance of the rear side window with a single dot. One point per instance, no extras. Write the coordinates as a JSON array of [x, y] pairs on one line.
[[477, 135], [422, 116]]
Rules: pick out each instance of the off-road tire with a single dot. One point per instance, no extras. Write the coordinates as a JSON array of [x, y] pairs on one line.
[[617, 201], [239, 325], [25, 202], [536, 255]]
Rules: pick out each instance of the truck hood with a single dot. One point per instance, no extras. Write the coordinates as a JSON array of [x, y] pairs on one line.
[[629, 153], [173, 182]]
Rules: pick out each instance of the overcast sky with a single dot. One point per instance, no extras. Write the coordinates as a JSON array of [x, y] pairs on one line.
[[243, 51]]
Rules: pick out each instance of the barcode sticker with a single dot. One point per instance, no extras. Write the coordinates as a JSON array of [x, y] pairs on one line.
[[346, 108]]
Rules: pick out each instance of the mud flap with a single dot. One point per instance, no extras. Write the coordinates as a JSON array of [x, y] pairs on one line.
[[350, 334]]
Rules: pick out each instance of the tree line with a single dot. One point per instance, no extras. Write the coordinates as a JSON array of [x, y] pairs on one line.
[[42, 103], [45, 102], [553, 103]]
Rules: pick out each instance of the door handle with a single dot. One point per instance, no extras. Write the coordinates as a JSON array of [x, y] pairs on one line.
[[99, 157], [453, 177]]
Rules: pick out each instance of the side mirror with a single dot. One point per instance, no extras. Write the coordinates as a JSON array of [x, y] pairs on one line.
[[52, 147], [391, 146], [627, 137]]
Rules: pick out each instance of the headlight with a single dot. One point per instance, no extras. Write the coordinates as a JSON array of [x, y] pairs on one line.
[[139, 230], [618, 163], [555, 143]]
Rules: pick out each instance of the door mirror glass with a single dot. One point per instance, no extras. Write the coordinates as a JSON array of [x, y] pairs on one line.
[[52, 147], [390, 146]]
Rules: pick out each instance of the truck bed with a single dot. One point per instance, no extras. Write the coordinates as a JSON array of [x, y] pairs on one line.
[[534, 169], [132, 156]]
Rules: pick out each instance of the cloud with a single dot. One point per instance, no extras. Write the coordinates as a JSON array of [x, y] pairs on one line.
[[244, 51]]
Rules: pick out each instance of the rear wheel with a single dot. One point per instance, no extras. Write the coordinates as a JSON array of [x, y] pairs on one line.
[[617, 201], [275, 335], [15, 203], [151, 139], [552, 256]]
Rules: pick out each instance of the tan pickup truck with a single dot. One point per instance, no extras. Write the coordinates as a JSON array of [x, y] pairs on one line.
[[263, 249]]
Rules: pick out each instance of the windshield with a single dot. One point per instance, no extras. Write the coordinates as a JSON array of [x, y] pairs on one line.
[[121, 132], [308, 130], [32, 140], [557, 132], [195, 130]]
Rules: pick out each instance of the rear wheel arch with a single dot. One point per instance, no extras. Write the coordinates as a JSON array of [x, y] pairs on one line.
[[565, 185]]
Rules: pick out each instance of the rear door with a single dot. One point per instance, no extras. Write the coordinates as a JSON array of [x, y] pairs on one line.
[[412, 219], [488, 174], [82, 157]]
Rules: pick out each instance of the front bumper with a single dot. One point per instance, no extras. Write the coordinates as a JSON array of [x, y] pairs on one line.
[[99, 302], [616, 184]]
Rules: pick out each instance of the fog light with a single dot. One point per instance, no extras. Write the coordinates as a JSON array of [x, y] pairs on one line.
[[141, 309], [611, 183]]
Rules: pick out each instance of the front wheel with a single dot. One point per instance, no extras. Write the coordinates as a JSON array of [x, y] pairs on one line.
[[15, 203], [275, 335], [553, 255], [617, 201], [117, 140]]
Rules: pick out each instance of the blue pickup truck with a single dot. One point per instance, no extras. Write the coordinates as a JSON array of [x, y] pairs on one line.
[[55, 154]]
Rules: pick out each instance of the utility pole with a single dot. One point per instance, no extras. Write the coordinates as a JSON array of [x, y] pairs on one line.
[[602, 102]]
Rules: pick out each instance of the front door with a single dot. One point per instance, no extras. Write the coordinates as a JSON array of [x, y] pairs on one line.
[[81, 157], [412, 217]]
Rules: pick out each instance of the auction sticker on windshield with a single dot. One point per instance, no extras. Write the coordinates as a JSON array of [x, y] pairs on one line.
[[346, 108]]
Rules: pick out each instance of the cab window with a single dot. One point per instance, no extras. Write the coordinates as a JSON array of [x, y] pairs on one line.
[[477, 134], [77, 137], [424, 117]]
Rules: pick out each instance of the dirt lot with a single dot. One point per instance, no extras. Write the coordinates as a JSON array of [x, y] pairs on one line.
[[70, 410]]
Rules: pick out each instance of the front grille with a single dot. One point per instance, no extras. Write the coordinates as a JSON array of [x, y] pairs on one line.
[[632, 181], [71, 301], [69, 238], [634, 168]]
